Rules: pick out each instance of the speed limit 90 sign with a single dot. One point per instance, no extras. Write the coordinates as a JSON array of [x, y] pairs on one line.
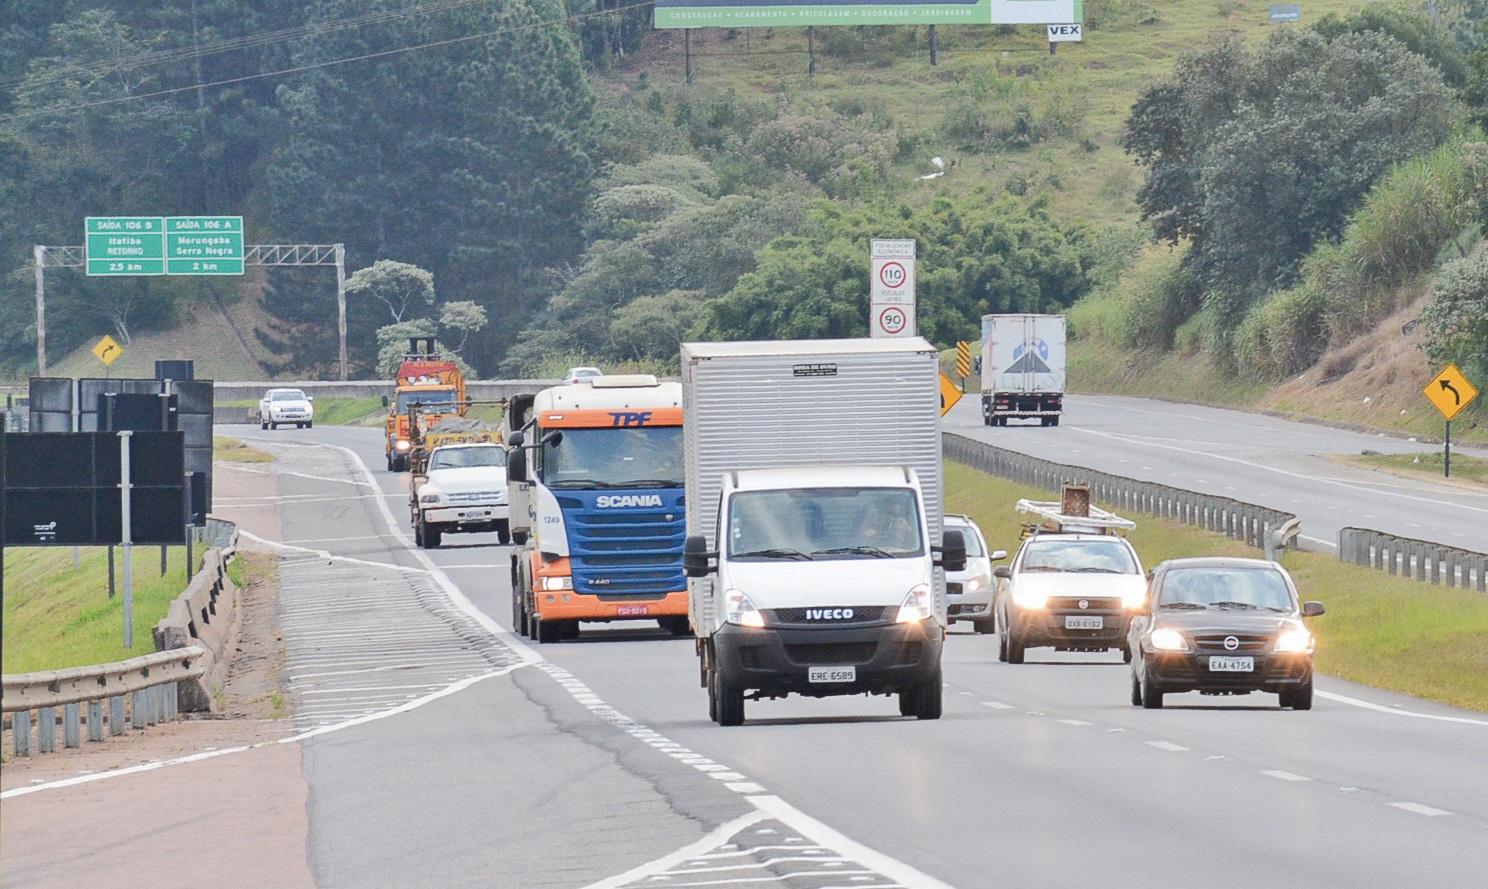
[[891, 320]]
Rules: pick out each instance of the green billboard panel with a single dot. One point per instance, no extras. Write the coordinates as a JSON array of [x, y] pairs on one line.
[[124, 245], [126, 267], [204, 267], [807, 13], [171, 245]]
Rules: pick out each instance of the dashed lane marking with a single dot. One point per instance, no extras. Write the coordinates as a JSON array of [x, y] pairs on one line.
[[1167, 745], [1421, 809], [1284, 775]]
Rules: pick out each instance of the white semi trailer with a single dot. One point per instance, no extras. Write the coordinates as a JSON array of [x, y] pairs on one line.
[[1022, 368], [814, 507]]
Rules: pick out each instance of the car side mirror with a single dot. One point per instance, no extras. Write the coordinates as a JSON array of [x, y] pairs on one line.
[[309, 397], [1003, 572], [516, 465], [999, 554], [1313, 609], [697, 561], [951, 553], [385, 401]]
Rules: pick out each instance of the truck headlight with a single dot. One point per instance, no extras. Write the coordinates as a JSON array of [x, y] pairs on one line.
[[402, 444], [1294, 641], [973, 585], [1165, 639], [739, 610], [564, 582], [918, 605], [428, 498], [1026, 598]]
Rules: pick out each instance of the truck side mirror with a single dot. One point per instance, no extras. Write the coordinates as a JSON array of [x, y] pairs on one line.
[[516, 465], [515, 439], [696, 560], [385, 401], [952, 551], [552, 439], [1313, 609]]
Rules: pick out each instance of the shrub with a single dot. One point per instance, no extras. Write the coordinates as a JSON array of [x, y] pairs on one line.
[[624, 211], [1283, 335], [1456, 319]]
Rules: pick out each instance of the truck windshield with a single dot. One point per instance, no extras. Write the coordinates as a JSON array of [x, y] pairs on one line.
[[462, 458], [638, 457], [425, 399], [1243, 588], [824, 523]]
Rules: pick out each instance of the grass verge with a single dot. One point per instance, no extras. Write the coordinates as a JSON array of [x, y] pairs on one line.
[[234, 451], [1427, 464], [1409, 637], [59, 616]]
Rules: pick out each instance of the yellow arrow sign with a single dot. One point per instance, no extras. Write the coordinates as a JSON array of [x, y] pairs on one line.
[[107, 351], [950, 393], [1450, 391]]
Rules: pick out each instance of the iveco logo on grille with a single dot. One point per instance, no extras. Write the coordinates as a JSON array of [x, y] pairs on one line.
[[615, 501], [1231, 643], [829, 614]]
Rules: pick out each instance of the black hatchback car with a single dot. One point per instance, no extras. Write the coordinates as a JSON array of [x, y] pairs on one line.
[[1222, 626]]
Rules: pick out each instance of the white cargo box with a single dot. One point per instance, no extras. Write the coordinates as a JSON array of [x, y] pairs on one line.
[[1023, 353], [765, 405]]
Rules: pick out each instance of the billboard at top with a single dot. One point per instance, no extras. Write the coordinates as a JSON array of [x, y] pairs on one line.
[[805, 13]]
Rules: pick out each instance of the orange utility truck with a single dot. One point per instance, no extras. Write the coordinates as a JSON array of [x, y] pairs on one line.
[[433, 383]]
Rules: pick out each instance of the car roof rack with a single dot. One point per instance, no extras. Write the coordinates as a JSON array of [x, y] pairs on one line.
[[1059, 518]]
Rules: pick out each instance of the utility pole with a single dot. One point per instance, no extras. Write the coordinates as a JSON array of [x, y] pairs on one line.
[[39, 253], [933, 47], [341, 303]]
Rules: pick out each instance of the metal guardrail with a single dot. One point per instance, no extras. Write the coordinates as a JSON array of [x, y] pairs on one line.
[[1258, 526], [149, 681], [1421, 559]]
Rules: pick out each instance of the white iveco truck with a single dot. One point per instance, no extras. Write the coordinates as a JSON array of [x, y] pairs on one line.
[[814, 506], [1022, 368]]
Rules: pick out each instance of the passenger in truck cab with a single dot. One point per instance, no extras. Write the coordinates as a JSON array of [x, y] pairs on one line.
[[893, 529]]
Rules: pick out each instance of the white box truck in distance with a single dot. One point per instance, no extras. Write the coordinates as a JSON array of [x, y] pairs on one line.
[[1022, 368], [814, 506]]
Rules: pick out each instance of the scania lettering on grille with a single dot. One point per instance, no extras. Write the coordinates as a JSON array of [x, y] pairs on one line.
[[617, 501], [829, 614]]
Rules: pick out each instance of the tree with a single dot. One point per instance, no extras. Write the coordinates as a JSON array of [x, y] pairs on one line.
[[1257, 156], [1456, 319], [1412, 27], [464, 317], [392, 346], [398, 285]]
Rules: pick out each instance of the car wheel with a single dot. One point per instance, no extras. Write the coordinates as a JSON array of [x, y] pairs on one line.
[[907, 702], [712, 698], [1299, 698], [984, 626], [273, 425], [310, 425], [1002, 646], [1136, 690], [1152, 699], [1014, 648], [730, 701], [1126, 654], [263, 425], [928, 697]]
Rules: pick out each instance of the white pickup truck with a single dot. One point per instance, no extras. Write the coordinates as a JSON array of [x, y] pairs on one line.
[[464, 491], [282, 407]]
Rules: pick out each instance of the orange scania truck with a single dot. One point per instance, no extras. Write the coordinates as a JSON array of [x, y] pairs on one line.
[[434, 384], [595, 486]]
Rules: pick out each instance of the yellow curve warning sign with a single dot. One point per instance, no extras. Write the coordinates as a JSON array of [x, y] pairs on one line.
[[950, 393], [1450, 391], [107, 351]]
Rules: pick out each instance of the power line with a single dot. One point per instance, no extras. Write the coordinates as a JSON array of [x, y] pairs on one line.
[[300, 69], [101, 67]]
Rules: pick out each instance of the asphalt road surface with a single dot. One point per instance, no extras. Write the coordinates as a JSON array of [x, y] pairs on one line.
[[1259, 459], [593, 762]]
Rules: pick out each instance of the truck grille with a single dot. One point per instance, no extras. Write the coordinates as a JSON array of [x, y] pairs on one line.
[[861, 614], [620, 554], [478, 497]]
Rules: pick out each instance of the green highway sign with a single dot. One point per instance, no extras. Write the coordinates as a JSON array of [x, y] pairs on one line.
[[171, 245], [125, 245]]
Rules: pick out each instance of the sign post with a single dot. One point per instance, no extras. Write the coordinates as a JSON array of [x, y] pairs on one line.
[[124, 535], [891, 288], [1449, 392]]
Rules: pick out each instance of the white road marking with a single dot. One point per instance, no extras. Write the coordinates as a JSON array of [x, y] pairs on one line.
[[1421, 809], [710, 841], [1395, 711], [1073, 722], [1167, 745], [1284, 775], [997, 705]]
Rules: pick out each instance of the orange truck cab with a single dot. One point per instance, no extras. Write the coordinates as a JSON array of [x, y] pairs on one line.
[[595, 478], [429, 381]]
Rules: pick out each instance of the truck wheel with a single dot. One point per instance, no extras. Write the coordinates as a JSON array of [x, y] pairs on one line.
[[730, 701], [310, 425], [548, 631], [432, 535], [273, 425], [503, 532], [927, 697], [519, 538], [984, 626], [263, 424], [676, 625], [1053, 421]]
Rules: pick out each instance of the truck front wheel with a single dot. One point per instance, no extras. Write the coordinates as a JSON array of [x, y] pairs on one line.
[[728, 701], [927, 697], [503, 532], [430, 535]]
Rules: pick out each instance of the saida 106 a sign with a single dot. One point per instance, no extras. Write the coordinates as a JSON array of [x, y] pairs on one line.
[[810, 13]]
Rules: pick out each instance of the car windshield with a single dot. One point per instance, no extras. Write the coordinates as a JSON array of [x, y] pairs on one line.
[[973, 539], [1093, 556], [581, 372], [636, 457], [461, 458], [287, 395], [1241, 588], [428, 401], [824, 523]]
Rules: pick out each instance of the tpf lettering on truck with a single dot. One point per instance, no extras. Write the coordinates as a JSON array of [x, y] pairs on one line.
[[630, 418]]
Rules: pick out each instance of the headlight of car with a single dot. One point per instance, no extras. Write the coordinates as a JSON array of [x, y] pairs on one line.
[[1134, 597], [918, 605], [739, 610], [973, 585], [1025, 598], [1165, 639], [564, 582], [1294, 641]]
